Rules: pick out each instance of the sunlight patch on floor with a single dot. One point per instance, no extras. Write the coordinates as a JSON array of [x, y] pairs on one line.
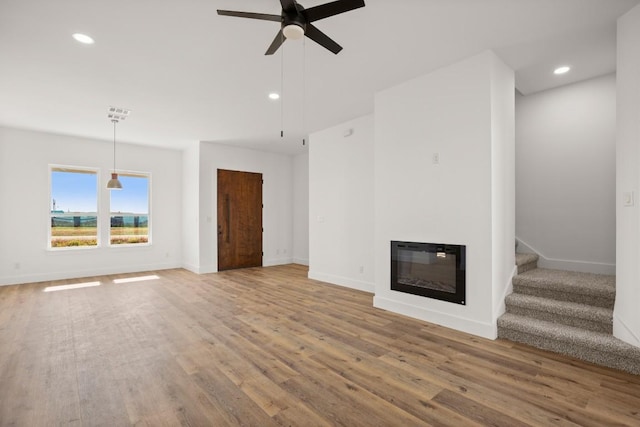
[[67, 287], [136, 279]]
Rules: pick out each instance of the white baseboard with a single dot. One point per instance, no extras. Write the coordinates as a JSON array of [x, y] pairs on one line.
[[214, 269], [75, 274], [301, 261], [276, 261], [206, 269], [565, 264], [192, 268], [342, 281], [485, 330]]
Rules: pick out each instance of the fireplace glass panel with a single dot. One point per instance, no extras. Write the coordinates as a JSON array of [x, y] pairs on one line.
[[432, 270]]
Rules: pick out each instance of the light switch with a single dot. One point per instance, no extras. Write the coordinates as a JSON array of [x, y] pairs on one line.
[[627, 198]]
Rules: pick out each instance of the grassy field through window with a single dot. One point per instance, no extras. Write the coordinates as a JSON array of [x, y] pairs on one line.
[[73, 236], [88, 236]]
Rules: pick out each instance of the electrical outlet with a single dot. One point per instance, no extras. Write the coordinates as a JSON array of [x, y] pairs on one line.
[[16, 266]]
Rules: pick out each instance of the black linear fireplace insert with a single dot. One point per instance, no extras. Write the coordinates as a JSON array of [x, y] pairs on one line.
[[433, 270]]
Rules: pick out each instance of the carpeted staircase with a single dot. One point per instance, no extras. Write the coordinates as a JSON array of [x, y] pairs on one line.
[[566, 312]]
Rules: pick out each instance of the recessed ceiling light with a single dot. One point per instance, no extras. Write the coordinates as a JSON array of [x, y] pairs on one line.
[[562, 70], [83, 38], [274, 96]]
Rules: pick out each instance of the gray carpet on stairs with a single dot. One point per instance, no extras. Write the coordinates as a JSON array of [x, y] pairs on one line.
[[582, 288], [526, 262], [595, 347], [597, 319], [566, 312]]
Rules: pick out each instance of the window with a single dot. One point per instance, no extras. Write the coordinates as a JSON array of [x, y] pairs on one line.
[[130, 211], [74, 207]]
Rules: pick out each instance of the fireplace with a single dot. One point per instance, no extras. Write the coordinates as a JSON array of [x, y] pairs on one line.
[[432, 270]]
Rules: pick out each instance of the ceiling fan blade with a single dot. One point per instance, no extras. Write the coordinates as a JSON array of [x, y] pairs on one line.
[[261, 16], [322, 39], [333, 8], [277, 42], [289, 6]]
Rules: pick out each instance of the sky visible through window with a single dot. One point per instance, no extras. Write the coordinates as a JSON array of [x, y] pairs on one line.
[[134, 196], [74, 192], [78, 192]]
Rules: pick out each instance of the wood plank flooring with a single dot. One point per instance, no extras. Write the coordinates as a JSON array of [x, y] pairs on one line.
[[269, 347]]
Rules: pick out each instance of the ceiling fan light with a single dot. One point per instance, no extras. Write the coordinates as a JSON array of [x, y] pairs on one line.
[[114, 183], [293, 32]]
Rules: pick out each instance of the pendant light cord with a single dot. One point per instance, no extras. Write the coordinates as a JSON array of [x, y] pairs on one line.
[[114, 145]]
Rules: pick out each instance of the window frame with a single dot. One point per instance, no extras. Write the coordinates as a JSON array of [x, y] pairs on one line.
[[137, 174], [77, 169]]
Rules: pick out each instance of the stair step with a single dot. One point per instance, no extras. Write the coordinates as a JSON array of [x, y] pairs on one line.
[[582, 288], [599, 348], [526, 262], [597, 319], [525, 258]]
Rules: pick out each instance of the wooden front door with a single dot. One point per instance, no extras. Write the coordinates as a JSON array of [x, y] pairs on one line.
[[239, 219]]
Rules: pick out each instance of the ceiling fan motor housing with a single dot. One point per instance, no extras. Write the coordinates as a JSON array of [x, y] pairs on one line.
[[296, 18]]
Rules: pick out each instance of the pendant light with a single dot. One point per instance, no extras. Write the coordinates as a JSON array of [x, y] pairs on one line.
[[115, 115], [114, 183]]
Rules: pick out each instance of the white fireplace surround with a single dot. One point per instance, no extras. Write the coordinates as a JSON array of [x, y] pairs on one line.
[[450, 134]]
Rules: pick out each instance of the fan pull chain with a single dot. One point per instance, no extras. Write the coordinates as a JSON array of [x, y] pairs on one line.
[[304, 89], [282, 85]]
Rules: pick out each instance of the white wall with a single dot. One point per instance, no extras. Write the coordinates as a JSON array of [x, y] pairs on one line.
[[190, 204], [277, 197], [503, 187], [461, 112], [24, 196], [341, 205], [626, 319], [565, 175], [301, 209]]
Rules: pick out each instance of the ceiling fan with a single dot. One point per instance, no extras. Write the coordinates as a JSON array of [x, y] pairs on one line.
[[296, 21]]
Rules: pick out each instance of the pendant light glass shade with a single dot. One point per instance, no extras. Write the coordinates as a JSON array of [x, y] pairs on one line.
[[114, 183]]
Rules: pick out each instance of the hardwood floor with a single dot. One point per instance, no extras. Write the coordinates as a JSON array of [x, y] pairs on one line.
[[268, 347]]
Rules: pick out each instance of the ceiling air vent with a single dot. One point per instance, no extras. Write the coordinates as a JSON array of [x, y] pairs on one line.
[[118, 114]]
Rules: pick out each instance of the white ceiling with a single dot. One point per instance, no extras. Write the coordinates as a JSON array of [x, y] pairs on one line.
[[191, 75]]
